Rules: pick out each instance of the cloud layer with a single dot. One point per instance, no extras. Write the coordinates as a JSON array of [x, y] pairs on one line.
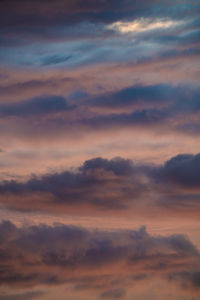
[[95, 260], [110, 185], [99, 126]]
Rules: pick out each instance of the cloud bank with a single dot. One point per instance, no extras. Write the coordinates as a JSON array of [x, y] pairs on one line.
[[110, 185], [95, 260]]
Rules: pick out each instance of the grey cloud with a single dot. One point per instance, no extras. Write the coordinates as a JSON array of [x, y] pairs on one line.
[[39, 19], [175, 98], [109, 185], [36, 106], [187, 279], [45, 254], [183, 170], [152, 107], [113, 294], [99, 183], [24, 296], [131, 95], [55, 59]]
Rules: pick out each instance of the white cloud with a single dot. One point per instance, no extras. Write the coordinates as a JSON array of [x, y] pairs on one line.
[[144, 24]]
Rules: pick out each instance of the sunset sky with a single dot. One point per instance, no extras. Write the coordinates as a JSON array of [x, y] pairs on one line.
[[100, 150]]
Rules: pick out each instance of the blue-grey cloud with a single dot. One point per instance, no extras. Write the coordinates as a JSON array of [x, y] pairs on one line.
[[137, 106], [154, 94], [50, 20], [58, 254], [99, 183], [183, 170], [110, 185], [36, 106], [55, 59]]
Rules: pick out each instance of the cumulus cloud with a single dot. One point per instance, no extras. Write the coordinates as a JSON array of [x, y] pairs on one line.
[[58, 254], [183, 170], [98, 183], [109, 185]]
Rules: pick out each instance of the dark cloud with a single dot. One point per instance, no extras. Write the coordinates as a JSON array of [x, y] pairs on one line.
[[55, 59], [194, 278], [36, 18], [118, 166], [22, 12], [176, 98], [35, 106], [192, 128], [109, 185], [69, 75], [188, 279], [139, 118], [152, 107], [183, 170], [126, 97], [99, 183], [24, 296], [33, 85], [113, 294], [64, 254], [156, 106]]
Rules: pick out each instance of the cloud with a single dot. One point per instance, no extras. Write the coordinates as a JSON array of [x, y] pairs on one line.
[[58, 254], [49, 21], [156, 94], [73, 12], [102, 78], [113, 294], [136, 119], [188, 279], [24, 296], [109, 186], [98, 183], [183, 170], [36, 106], [160, 107], [173, 99], [55, 59], [143, 25]]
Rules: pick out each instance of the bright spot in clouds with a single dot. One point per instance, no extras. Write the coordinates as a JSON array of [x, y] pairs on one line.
[[144, 24]]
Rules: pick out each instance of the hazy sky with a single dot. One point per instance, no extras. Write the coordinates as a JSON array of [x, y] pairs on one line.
[[100, 150]]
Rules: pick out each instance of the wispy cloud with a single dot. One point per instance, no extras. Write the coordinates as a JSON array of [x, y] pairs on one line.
[[144, 24]]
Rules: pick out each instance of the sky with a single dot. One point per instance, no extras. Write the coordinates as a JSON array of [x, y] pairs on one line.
[[99, 150]]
